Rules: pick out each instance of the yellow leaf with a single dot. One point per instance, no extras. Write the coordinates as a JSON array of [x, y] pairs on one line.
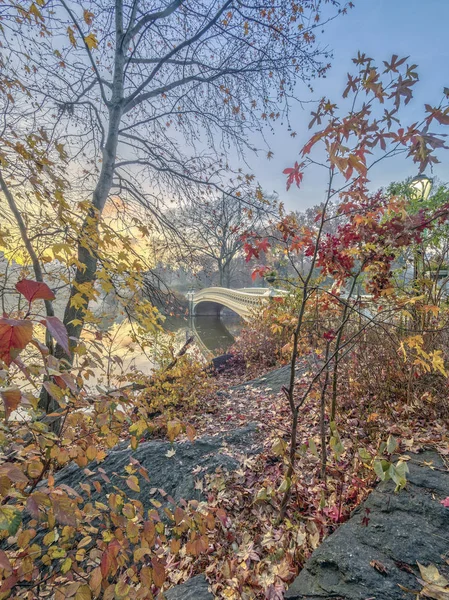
[[435, 592], [91, 41], [438, 362], [83, 593], [76, 322], [85, 541], [140, 553], [431, 574], [173, 429], [66, 565], [71, 35], [36, 13], [78, 301], [35, 469]]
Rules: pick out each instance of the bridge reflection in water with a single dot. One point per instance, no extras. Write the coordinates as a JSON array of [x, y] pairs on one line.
[[209, 309], [213, 335]]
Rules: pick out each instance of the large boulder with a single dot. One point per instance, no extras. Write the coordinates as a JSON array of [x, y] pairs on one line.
[[172, 468], [370, 561]]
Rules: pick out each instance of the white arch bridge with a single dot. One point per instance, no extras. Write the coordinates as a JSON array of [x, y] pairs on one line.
[[210, 301]]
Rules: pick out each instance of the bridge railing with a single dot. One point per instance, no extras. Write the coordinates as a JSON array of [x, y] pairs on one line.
[[242, 301]]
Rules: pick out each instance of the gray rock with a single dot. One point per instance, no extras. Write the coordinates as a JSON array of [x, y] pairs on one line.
[[276, 379], [175, 474], [196, 588], [221, 363], [403, 528]]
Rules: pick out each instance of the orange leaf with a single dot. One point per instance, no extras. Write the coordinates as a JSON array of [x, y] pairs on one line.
[[191, 433], [88, 17]]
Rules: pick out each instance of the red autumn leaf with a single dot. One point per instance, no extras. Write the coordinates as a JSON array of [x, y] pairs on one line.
[[108, 562], [259, 272], [445, 502], [66, 380], [34, 290], [59, 332], [263, 245], [15, 334], [11, 400], [250, 251], [294, 175]]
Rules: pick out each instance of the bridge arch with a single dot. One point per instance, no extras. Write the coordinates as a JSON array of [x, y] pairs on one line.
[[210, 301]]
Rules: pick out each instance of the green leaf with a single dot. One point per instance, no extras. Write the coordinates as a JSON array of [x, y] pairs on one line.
[[391, 444], [262, 494], [378, 469], [364, 454], [10, 519], [398, 474], [285, 485], [312, 447]]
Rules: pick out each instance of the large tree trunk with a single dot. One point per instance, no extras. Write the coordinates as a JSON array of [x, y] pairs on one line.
[[74, 317]]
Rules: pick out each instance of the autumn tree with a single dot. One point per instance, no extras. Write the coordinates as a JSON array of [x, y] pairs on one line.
[[145, 96], [357, 256]]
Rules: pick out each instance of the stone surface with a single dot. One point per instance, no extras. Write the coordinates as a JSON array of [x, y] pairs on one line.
[[196, 588], [175, 474], [221, 363], [273, 381], [403, 528]]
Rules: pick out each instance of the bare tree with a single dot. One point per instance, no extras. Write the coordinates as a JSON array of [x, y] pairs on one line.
[[215, 230]]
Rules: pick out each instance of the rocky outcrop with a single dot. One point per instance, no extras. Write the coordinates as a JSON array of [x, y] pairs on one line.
[[370, 559], [172, 468]]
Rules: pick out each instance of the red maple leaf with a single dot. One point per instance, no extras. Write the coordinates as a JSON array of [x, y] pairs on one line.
[[445, 502], [294, 175]]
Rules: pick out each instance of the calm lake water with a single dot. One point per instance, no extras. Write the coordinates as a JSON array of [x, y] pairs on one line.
[[214, 335]]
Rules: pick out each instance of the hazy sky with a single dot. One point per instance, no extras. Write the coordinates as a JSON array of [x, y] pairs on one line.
[[380, 28]]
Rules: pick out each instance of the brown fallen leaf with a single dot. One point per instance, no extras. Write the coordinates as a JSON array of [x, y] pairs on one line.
[[435, 592], [376, 564]]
